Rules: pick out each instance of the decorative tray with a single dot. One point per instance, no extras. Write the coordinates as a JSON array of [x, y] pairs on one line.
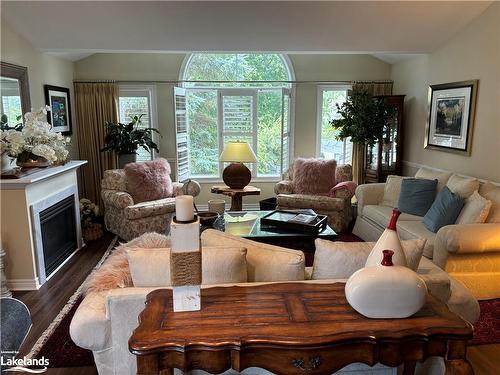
[[305, 221]]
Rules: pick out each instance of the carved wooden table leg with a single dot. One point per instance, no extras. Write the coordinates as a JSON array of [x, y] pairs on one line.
[[409, 368], [236, 202], [4, 291], [458, 367]]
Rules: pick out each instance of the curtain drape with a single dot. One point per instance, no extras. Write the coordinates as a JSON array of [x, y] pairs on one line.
[[359, 151], [96, 103]]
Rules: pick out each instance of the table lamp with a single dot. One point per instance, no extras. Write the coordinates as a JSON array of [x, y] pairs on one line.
[[236, 175]]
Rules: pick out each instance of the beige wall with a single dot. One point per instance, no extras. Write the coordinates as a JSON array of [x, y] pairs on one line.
[[155, 67], [42, 69], [474, 53]]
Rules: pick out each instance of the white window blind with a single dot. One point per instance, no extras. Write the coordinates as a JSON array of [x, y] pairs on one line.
[[238, 119], [181, 134], [139, 100]]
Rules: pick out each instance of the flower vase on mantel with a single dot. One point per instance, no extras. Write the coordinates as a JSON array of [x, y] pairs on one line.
[[388, 240], [386, 291], [28, 160]]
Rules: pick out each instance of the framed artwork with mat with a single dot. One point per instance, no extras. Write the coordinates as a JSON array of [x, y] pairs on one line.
[[58, 99], [451, 117]]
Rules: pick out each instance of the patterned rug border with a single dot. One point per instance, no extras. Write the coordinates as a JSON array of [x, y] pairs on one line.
[[71, 302]]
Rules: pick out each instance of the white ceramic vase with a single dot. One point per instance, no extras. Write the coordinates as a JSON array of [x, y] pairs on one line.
[[388, 240], [386, 291]]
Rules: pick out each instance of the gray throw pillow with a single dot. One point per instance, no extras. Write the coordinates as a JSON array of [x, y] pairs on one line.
[[417, 195], [444, 210]]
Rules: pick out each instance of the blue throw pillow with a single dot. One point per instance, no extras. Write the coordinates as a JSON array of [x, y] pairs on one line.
[[417, 195], [444, 210]]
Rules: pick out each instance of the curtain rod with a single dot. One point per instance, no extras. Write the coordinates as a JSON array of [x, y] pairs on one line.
[[228, 81]]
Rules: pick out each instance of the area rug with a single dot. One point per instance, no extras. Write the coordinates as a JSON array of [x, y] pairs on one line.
[[55, 343], [487, 328]]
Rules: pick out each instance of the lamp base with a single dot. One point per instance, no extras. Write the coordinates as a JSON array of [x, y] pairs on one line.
[[236, 175]]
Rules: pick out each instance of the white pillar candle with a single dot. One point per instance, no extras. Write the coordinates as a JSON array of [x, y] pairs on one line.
[[184, 208]]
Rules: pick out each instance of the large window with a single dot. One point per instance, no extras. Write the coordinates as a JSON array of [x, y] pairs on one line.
[[328, 146], [242, 97], [138, 100]]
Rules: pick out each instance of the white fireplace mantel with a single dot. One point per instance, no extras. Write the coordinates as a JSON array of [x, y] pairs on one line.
[[46, 173], [21, 199]]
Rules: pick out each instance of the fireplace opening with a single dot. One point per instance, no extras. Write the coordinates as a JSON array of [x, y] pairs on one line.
[[59, 234]]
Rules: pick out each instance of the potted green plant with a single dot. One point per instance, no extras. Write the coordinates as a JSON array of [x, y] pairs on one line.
[[125, 139], [363, 118]]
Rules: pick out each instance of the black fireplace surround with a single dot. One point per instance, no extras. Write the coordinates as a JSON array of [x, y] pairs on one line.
[[58, 229]]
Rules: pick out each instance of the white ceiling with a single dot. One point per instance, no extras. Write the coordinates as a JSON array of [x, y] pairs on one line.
[[75, 29]]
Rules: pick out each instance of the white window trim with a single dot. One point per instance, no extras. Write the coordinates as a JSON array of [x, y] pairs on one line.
[[319, 109], [291, 146], [153, 117]]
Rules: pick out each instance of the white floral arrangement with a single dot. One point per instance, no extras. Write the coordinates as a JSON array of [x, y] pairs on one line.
[[35, 140]]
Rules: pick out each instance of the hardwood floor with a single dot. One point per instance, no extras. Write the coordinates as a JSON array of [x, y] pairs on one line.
[[46, 303]]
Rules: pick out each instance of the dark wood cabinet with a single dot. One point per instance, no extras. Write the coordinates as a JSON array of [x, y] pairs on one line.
[[384, 158]]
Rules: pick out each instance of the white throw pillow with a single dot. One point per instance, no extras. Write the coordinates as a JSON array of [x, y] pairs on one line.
[[492, 193], [475, 210], [430, 174], [264, 262], [219, 265], [463, 186], [392, 189], [149, 267], [339, 260]]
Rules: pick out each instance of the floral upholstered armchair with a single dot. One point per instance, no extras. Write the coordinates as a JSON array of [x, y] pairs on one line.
[[319, 185], [128, 219]]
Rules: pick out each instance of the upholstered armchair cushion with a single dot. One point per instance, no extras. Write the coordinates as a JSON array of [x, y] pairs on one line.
[[114, 179], [343, 173], [284, 187], [118, 199], [152, 208]]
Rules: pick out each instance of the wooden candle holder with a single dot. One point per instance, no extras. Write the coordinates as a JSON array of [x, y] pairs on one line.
[[185, 264]]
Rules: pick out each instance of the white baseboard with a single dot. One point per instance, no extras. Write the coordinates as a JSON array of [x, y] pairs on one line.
[[23, 284]]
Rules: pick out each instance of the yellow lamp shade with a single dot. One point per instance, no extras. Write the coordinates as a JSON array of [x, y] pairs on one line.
[[238, 152]]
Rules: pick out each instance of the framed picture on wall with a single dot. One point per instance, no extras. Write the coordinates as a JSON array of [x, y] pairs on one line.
[[451, 117], [57, 98]]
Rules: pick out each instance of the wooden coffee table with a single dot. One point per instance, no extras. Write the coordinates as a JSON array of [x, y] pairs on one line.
[[291, 328]]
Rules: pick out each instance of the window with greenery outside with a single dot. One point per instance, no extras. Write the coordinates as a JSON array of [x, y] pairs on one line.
[[216, 72]]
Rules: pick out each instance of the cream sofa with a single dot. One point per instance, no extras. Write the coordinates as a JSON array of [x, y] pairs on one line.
[[468, 252], [105, 320]]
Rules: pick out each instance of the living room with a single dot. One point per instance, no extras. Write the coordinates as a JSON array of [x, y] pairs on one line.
[[373, 125]]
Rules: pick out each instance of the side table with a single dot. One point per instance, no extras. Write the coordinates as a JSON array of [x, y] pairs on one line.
[[235, 194]]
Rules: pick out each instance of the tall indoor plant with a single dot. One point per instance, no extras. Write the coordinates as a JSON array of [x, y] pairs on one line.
[[363, 118], [125, 139]]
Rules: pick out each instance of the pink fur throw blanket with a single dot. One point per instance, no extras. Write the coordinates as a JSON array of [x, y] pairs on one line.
[[115, 272], [149, 181], [313, 176]]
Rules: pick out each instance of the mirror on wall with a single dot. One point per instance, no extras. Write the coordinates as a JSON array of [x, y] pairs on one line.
[[14, 90]]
